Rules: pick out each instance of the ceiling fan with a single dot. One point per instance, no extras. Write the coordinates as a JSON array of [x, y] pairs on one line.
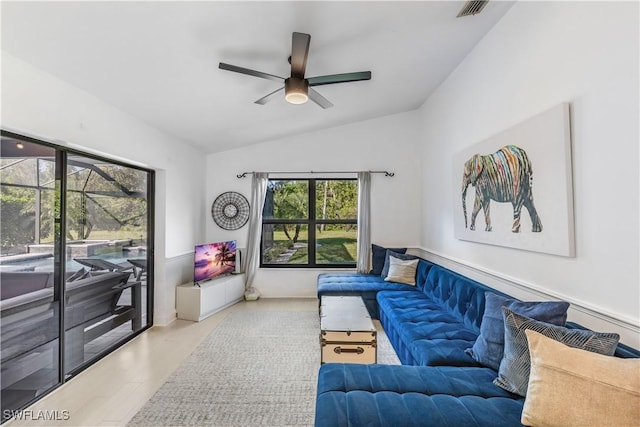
[[297, 88]]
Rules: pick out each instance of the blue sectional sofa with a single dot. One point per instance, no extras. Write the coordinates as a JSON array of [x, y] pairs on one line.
[[430, 325]]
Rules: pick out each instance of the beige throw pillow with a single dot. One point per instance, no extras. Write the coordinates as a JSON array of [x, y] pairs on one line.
[[402, 271], [574, 387]]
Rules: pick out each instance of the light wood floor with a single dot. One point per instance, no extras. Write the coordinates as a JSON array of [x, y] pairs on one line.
[[111, 392]]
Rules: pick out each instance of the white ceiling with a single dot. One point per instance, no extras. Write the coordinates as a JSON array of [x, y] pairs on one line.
[[158, 61]]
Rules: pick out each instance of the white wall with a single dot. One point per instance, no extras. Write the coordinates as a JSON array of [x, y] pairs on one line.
[[539, 55], [40, 105], [388, 143]]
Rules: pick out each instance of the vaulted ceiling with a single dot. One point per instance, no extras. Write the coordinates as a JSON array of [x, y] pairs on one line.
[[158, 61]]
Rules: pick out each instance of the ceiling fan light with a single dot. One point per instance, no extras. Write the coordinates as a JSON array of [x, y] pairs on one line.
[[296, 91]]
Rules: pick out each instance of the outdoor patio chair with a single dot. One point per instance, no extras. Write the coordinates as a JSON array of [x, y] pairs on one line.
[[139, 267], [100, 264]]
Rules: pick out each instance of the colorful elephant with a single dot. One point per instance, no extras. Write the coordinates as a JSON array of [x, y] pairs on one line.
[[504, 176]]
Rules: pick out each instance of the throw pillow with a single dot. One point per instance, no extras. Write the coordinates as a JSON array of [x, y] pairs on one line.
[[572, 387], [489, 347], [402, 271], [378, 254], [390, 253], [513, 374]]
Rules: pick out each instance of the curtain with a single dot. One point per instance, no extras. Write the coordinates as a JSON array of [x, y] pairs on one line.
[[258, 194], [364, 221]]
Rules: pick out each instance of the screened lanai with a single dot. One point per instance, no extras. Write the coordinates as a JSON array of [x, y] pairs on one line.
[[75, 262], [105, 201]]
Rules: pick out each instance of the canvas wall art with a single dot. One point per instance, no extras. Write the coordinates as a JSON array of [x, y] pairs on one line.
[[515, 188]]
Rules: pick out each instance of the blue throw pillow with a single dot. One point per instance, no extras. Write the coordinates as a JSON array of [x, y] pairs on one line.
[[387, 263], [378, 255], [515, 367], [488, 348]]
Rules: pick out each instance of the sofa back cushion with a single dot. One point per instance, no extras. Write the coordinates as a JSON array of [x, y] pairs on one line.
[[17, 283], [422, 272], [457, 294]]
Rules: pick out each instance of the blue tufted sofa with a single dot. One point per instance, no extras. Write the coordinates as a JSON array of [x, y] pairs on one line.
[[430, 326]]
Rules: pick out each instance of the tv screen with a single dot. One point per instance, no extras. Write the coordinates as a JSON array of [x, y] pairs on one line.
[[214, 259]]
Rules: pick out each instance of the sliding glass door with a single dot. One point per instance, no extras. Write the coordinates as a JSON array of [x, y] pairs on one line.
[[75, 264], [30, 305], [106, 238]]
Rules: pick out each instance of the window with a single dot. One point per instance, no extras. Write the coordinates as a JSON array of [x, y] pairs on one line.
[[310, 223]]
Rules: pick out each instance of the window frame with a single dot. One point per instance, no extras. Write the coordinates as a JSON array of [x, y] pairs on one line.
[[312, 223]]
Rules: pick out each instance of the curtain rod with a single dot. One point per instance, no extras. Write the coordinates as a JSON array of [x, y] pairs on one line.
[[386, 173]]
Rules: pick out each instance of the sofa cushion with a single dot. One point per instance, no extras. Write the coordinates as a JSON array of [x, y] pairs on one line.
[[354, 282], [442, 352], [402, 271], [422, 332], [489, 347], [385, 408], [449, 380], [387, 263], [513, 375], [602, 390], [384, 395], [378, 255]]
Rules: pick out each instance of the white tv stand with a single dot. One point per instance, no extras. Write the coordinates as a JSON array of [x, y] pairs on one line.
[[199, 302]]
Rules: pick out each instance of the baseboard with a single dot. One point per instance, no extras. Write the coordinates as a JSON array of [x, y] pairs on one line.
[[580, 312], [165, 320]]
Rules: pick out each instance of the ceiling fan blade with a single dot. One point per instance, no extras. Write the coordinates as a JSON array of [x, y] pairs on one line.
[[254, 73], [269, 97], [339, 78], [299, 52], [319, 99]]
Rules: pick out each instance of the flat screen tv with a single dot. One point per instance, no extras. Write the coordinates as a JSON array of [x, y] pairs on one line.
[[214, 259]]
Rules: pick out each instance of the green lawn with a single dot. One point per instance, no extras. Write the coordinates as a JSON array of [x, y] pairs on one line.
[[333, 247]]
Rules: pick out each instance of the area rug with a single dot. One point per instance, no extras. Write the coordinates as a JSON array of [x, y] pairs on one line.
[[255, 368]]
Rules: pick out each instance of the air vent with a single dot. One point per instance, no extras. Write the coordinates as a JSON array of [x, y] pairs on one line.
[[472, 7]]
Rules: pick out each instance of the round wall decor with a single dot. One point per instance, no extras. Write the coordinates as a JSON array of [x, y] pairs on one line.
[[230, 210]]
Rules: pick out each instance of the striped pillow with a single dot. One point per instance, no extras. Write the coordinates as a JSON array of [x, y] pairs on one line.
[[513, 374]]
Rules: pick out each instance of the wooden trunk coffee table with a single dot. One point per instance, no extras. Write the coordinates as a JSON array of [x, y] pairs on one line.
[[347, 334]]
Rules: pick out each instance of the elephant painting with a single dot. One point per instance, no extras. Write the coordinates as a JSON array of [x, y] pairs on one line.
[[504, 176]]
